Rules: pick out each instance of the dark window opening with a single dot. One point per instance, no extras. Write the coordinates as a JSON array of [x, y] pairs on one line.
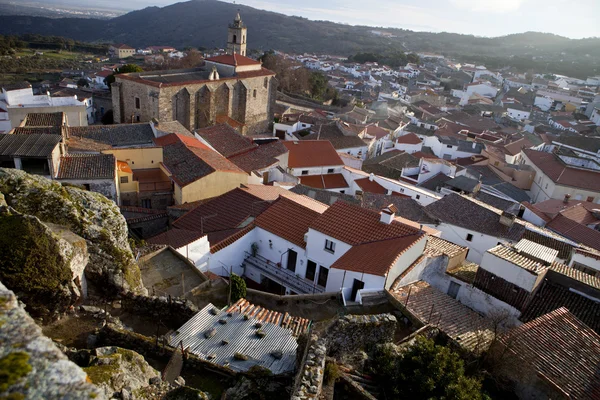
[[137, 103], [124, 179], [469, 237], [305, 172], [330, 171], [329, 246], [323, 274], [311, 270], [146, 203]]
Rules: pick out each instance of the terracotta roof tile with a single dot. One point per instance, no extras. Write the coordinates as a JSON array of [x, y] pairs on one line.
[[562, 349], [356, 225], [370, 186], [175, 238], [44, 119], [87, 166], [263, 156], [437, 246], [562, 174], [469, 329], [375, 258], [221, 244], [288, 220], [233, 59], [409, 138], [227, 211], [575, 231], [311, 153], [328, 181], [188, 159], [226, 140]]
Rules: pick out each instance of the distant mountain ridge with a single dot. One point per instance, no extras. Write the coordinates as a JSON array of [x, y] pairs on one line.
[[203, 23]]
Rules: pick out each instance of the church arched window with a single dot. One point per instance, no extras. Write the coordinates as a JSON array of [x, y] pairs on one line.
[[254, 93], [266, 83], [234, 38]]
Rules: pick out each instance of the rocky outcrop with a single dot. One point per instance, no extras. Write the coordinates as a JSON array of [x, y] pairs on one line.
[[88, 214], [119, 372], [31, 366], [42, 264]]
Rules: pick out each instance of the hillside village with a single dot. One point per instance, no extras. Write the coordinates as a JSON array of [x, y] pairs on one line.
[[277, 246]]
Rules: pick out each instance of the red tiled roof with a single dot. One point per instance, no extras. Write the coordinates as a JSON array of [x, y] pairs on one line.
[[575, 231], [226, 119], [356, 225], [104, 74], [515, 147], [561, 173], [175, 238], [328, 181], [227, 211], [409, 138], [562, 350], [189, 160], [376, 131], [272, 193], [580, 214], [261, 157], [224, 242], [288, 220], [87, 166], [370, 186], [311, 153], [226, 140], [375, 258], [233, 59]]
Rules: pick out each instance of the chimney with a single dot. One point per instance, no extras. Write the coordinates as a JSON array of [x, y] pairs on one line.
[[567, 198], [371, 177], [387, 214], [507, 219]]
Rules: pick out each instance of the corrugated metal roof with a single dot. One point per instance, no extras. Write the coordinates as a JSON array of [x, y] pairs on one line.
[[35, 145], [241, 336], [536, 250]]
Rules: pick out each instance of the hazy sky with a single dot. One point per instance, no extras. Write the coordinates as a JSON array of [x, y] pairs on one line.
[[571, 18]]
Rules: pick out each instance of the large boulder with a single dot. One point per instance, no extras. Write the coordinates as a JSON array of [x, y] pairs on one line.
[[88, 214], [31, 366], [42, 264], [115, 370]]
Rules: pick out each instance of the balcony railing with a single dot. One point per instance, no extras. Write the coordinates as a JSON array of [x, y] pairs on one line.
[[282, 275]]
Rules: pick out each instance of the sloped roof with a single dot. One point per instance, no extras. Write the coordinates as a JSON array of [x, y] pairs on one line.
[[469, 329], [175, 238], [466, 213], [368, 185], [311, 153], [34, 145], [226, 140], [334, 134], [101, 137], [562, 349], [233, 59], [227, 211], [562, 174], [87, 166], [409, 138], [356, 225], [288, 220], [261, 157], [375, 258], [407, 207], [44, 119], [575, 231], [327, 181], [188, 159], [515, 147]]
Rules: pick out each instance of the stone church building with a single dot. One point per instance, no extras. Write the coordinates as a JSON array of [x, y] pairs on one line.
[[231, 89]]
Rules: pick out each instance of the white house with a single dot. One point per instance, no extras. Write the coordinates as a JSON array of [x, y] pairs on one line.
[[309, 248], [518, 112]]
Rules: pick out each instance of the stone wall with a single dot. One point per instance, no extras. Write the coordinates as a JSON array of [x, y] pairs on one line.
[[352, 332], [174, 312], [197, 105], [311, 306], [309, 380]]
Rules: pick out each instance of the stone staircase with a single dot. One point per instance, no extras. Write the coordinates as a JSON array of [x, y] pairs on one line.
[[362, 383]]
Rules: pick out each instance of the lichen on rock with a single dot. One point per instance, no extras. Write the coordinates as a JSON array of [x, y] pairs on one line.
[[87, 214]]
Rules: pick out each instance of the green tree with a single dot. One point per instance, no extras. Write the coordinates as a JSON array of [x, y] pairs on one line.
[[238, 288], [425, 371], [83, 82], [125, 69]]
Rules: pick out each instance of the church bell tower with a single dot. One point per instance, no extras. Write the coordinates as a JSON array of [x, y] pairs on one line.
[[236, 38]]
